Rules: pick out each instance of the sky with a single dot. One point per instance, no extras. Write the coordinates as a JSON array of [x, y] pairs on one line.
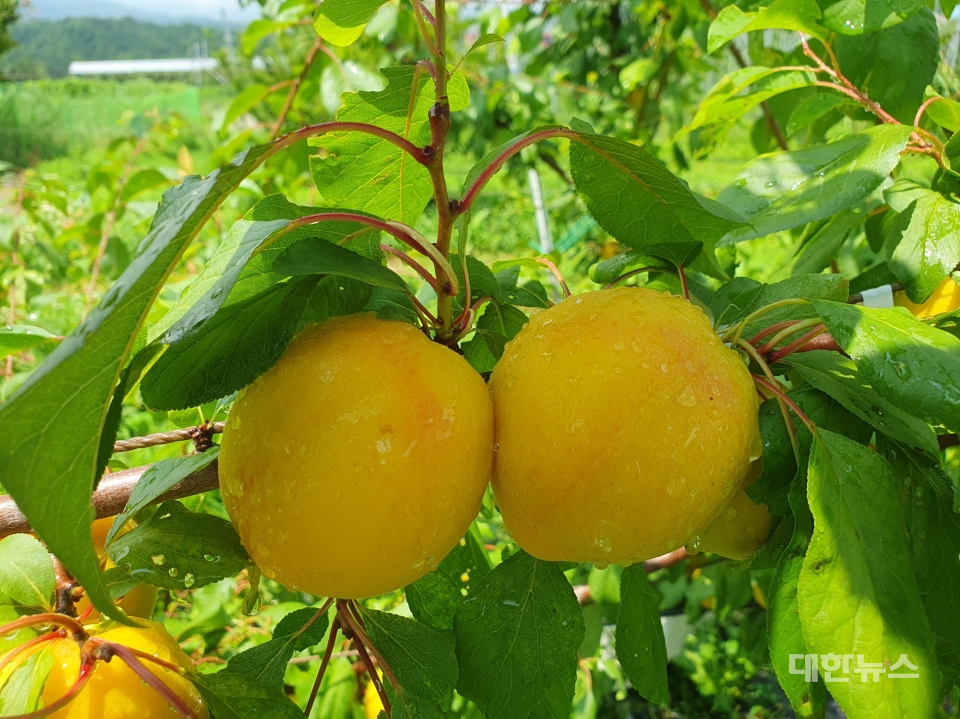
[[158, 10]]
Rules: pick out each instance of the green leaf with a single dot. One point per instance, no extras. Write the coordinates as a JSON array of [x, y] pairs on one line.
[[733, 300], [483, 283], [945, 112], [556, 702], [180, 549], [815, 106], [495, 327], [808, 287], [726, 102], [434, 599], [157, 480], [800, 15], [853, 595], [245, 101], [782, 190], [141, 181], [927, 234], [315, 256], [913, 365], [392, 305], [230, 350], [641, 650], [340, 22], [784, 631], [517, 630], [640, 202], [267, 662], [927, 501], [208, 293], [364, 172], [237, 696], [856, 17], [894, 65], [259, 29], [528, 294], [17, 338], [825, 244], [837, 375], [467, 562], [421, 658], [485, 39], [26, 571], [23, 689], [50, 428]]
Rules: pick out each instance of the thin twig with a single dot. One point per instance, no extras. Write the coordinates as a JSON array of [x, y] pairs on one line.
[[798, 344], [153, 440], [327, 654], [295, 88], [15, 262], [556, 273]]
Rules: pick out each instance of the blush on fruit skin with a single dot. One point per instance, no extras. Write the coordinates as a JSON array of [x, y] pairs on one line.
[[114, 691], [742, 527], [355, 464], [624, 427]]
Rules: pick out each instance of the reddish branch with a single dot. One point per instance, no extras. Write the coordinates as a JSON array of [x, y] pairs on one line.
[[295, 86]]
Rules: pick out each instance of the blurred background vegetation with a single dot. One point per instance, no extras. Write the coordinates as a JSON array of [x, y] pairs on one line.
[[84, 161]]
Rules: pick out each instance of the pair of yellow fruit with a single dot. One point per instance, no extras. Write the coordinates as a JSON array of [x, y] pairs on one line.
[[616, 427]]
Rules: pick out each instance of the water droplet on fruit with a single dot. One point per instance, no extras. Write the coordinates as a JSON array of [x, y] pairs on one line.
[[496, 447], [693, 493], [687, 398], [173, 572], [693, 547], [432, 564], [158, 559], [618, 346], [188, 580], [675, 486], [601, 565]]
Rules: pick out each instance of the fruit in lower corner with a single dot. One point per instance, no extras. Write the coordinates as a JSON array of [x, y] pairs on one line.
[[139, 601], [624, 427], [372, 706], [742, 527], [114, 691], [945, 298], [358, 461]]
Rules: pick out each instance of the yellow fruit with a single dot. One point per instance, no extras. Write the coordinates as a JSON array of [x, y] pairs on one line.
[[945, 298], [139, 601], [742, 527], [372, 706], [624, 427], [355, 464], [114, 691]]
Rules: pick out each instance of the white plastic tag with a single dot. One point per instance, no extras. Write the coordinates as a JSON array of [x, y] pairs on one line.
[[879, 297]]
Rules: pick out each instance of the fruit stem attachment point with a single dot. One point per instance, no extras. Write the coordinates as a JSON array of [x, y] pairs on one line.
[[794, 327], [798, 344], [732, 334]]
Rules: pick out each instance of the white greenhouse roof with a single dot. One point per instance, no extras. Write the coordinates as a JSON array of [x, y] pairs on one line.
[[132, 67]]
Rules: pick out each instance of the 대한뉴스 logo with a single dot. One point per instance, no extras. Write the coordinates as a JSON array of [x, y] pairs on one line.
[[834, 664]]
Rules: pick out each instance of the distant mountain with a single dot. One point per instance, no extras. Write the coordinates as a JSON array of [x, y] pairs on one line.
[[47, 47], [165, 13]]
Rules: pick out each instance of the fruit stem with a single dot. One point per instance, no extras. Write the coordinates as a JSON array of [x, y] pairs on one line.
[[766, 332], [783, 334], [732, 334], [416, 266], [785, 413], [755, 356], [327, 654], [798, 344], [129, 657], [362, 642], [793, 405], [75, 627], [556, 272], [17, 651], [627, 275], [141, 655], [86, 669], [684, 287]]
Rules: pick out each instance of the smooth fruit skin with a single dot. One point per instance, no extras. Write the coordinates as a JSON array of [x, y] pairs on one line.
[[114, 691], [358, 461], [742, 527], [624, 427], [945, 298], [139, 601]]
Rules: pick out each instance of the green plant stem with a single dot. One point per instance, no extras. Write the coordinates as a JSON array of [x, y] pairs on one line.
[[784, 333], [799, 344], [732, 334]]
